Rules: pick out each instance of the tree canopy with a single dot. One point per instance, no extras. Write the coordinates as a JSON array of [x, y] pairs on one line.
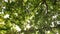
[[29, 16]]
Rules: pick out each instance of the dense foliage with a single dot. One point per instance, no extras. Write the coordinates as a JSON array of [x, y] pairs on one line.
[[29, 16]]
